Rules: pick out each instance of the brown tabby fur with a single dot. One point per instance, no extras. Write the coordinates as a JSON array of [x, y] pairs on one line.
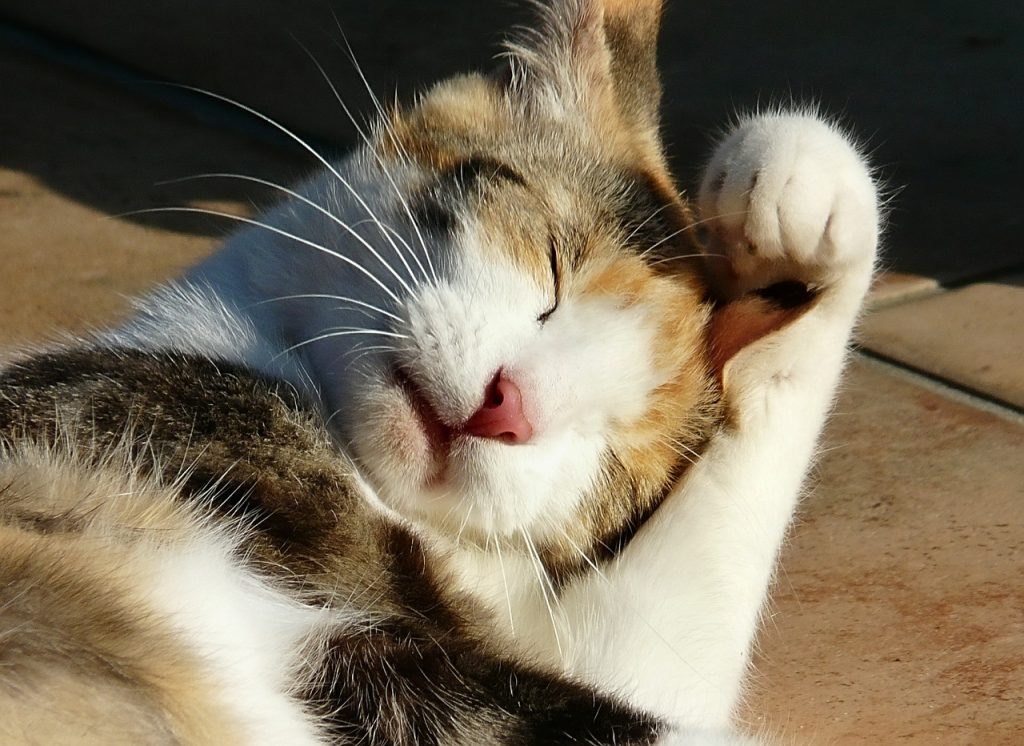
[[246, 456]]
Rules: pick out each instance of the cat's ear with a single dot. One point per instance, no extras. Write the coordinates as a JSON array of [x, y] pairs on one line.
[[739, 323], [595, 58], [631, 34]]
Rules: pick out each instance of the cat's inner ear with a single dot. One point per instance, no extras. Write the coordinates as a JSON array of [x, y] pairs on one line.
[[739, 323], [596, 58]]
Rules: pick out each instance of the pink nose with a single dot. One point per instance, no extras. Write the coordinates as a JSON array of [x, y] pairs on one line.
[[501, 416]]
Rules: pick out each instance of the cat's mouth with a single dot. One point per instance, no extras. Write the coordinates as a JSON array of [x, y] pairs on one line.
[[437, 435]]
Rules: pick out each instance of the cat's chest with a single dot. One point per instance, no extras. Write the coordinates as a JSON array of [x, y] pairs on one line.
[[512, 586]]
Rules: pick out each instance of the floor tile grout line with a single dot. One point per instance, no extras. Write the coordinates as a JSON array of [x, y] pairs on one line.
[[944, 386], [150, 88], [994, 275]]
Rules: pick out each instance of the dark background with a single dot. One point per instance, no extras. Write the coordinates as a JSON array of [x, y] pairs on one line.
[[934, 90]]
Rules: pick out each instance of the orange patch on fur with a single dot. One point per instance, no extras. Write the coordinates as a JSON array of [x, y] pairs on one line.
[[654, 450]]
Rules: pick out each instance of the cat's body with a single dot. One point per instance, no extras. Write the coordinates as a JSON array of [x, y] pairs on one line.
[[453, 447]]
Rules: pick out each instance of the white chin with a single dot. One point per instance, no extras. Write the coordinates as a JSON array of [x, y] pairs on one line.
[[491, 488]]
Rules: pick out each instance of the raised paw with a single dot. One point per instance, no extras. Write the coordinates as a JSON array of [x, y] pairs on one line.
[[786, 197]]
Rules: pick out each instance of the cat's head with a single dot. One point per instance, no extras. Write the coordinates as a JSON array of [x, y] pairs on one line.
[[534, 361]]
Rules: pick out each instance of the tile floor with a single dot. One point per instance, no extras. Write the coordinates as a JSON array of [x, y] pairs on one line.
[[899, 612]]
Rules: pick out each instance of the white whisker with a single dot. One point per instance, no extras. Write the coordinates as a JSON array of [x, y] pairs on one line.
[[343, 333], [335, 413], [381, 332], [648, 219], [465, 519], [291, 192], [583, 555], [680, 449], [395, 141], [373, 150], [680, 257], [691, 226], [373, 96], [363, 351], [286, 234], [545, 583], [306, 146], [327, 296], [504, 581]]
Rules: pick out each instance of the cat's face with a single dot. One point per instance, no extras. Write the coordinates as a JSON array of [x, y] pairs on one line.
[[541, 367]]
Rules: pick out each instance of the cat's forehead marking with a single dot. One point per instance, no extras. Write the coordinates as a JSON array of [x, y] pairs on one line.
[[451, 122]]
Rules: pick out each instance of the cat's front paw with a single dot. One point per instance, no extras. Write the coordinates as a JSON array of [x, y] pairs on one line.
[[787, 197]]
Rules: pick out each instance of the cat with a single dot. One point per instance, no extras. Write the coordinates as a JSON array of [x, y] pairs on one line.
[[470, 440]]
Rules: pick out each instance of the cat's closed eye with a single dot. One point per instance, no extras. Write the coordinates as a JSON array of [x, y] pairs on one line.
[[555, 277]]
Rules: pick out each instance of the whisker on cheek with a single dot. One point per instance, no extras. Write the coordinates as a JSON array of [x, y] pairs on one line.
[[361, 352], [273, 229], [386, 231], [320, 158], [385, 121], [343, 333], [372, 149], [324, 296]]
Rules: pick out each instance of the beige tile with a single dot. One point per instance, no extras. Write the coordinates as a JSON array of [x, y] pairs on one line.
[[899, 611], [973, 336], [81, 153]]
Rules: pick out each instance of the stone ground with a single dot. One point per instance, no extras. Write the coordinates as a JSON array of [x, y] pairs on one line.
[[899, 612]]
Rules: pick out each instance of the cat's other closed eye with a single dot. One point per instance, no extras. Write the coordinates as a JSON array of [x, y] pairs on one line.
[[555, 287]]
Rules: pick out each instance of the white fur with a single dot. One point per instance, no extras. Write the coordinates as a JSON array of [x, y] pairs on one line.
[[482, 318], [459, 325], [251, 636]]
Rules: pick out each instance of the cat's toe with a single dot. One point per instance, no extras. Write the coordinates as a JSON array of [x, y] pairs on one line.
[[787, 197]]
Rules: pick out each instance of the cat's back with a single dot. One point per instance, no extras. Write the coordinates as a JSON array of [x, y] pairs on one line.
[[139, 498]]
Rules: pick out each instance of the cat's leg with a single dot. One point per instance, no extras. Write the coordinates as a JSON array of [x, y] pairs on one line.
[[396, 686], [672, 621]]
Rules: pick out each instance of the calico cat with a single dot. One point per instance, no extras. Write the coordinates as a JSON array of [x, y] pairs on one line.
[[468, 441]]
